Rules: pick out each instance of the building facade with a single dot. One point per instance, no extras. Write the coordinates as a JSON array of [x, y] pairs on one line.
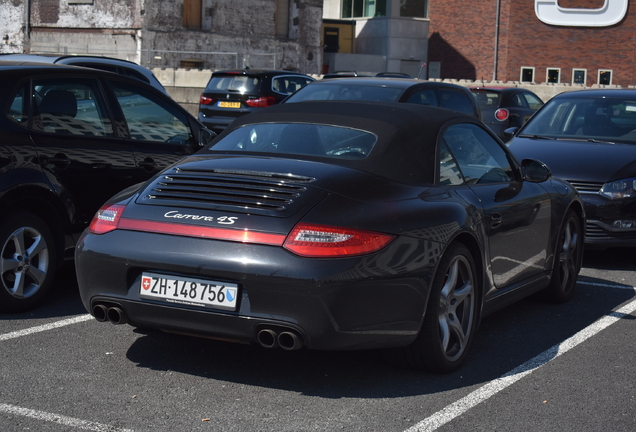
[[207, 34], [584, 42], [389, 35], [553, 41]]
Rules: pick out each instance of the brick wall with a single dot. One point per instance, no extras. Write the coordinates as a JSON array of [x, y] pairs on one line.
[[462, 38]]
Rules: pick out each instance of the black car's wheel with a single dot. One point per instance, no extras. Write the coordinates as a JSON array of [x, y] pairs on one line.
[[451, 316], [567, 261], [27, 261]]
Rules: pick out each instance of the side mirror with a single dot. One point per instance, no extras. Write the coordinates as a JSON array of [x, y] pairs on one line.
[[510, 132], [535, 171], [205, 137]]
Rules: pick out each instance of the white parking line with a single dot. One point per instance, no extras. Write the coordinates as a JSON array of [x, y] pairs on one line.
[[50, 417], [56, 418], [45, 327], [456, 409]]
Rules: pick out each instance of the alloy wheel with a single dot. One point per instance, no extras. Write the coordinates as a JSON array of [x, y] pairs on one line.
[[456, 308], [24, 262]]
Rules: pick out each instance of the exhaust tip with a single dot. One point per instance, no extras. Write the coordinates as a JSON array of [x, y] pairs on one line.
[[289, 341], [99, 312], [268, 338], [116, 315]]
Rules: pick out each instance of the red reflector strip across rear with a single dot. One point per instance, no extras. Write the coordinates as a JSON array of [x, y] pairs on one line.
[[236, 235]]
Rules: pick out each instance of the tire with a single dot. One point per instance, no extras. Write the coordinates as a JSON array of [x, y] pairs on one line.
[[568, 258], [27, 262], [451, 315]]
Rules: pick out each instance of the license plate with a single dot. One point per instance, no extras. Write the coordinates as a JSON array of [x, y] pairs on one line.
[[224, 104], [188, 291]]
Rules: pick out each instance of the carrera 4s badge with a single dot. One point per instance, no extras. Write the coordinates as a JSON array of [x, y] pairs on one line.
[[225, 220]]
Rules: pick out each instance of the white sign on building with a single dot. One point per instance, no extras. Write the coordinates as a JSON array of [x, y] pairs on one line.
[[549, 12]]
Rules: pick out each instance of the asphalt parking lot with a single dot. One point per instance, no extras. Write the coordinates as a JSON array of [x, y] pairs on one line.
[[534, 366]]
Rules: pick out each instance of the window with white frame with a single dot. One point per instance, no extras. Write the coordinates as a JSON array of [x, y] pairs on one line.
[[579, 76], [553, 75], [605, 76], [527, 74]]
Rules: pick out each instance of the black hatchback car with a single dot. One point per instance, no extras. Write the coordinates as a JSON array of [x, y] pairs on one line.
[[71, 137], [232, 93], [505, 107], [431, 93]]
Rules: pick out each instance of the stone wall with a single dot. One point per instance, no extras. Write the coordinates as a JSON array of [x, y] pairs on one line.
[[11, 27], [226, 34]]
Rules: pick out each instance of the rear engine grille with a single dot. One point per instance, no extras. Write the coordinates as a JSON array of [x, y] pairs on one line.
[[586, 187], [216, 188]]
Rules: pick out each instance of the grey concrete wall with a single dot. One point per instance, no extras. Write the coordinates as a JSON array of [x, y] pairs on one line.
[[364, 64], [121, 44], [185, 86]]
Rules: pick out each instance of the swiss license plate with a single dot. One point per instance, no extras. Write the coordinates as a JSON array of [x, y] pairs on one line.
[[224, 104], [188, 291]]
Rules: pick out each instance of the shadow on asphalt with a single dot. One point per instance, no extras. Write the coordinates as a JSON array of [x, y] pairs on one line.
[[610, 259], [504, 341]]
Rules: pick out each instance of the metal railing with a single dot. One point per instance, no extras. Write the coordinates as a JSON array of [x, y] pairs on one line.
[[160, 58]]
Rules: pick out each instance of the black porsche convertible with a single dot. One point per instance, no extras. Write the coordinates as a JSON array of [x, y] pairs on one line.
[[336, 225]]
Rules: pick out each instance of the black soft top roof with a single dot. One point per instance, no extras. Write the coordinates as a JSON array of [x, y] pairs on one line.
[[407, 133]]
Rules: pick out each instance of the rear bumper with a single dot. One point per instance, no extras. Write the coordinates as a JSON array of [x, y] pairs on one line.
[[348, 303]]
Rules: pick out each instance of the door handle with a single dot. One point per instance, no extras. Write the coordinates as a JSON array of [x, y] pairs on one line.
[[60, 161]]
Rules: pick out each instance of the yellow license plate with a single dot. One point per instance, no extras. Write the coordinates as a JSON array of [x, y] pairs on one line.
[[224, 104]]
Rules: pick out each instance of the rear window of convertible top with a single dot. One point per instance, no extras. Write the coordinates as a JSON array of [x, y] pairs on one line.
[[299, 139]]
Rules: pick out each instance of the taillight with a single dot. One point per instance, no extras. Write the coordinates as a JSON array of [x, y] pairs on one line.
[[261, 102], [502, 114], [204, 100], [311, 240], [106, 219]]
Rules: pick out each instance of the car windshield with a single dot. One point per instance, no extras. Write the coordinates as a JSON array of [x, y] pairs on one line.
[[345, 91], [299, 139], [603, 119]]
